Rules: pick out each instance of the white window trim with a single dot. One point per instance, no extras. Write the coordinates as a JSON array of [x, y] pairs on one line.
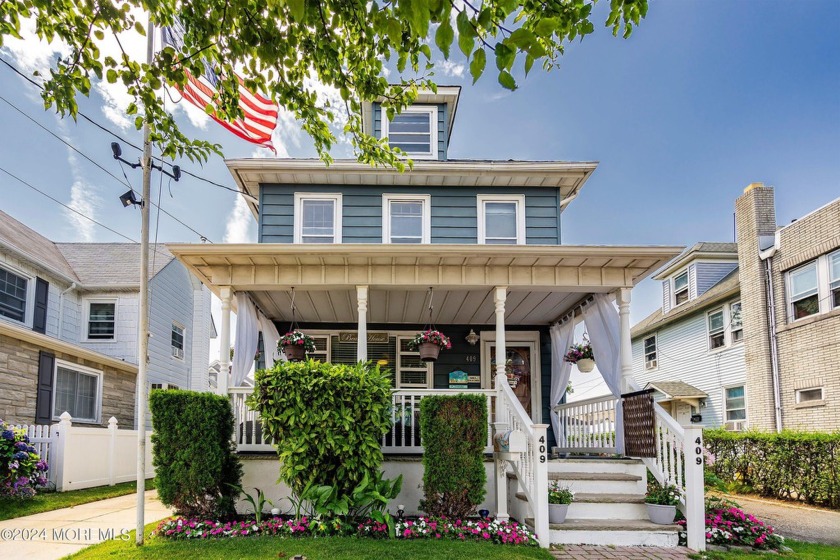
[[519, 199], [728, 343], [432, 111], [429, 384], [732, 341], [823, 264], [673, 281], [656, 351], [86, 319], [184, 343], [298, 217], [746, 404], [81, 369], [29, 311], [424, 199]]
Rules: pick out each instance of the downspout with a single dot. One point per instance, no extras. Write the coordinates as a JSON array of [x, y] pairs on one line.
[[767, 258], [61, 307]]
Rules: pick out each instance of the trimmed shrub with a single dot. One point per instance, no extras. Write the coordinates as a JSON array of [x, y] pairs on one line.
[[789, 465], [326, 421], [193, 452], [453, 430]]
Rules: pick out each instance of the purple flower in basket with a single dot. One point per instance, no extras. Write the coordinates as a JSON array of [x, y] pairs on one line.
[[579, 352]]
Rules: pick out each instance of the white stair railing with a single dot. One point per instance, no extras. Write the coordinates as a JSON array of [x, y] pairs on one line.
[[531, 466], [587, 426]]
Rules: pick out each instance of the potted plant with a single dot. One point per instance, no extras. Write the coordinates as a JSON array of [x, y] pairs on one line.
[[662, 503], [429, 343], [559, 498], [581, 355], [295, 345]]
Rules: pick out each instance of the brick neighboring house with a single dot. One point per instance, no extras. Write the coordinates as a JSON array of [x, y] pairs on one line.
[[791, 315], [68, 328]]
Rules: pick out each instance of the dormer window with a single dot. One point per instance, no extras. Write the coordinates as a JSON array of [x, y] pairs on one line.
[[414, 131], [681, 288]]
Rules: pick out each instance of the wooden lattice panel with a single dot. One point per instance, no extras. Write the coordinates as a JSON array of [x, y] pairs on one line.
[[639, 426]]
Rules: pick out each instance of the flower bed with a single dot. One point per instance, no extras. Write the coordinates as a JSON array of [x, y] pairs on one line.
[[727, 525], [498, 532]]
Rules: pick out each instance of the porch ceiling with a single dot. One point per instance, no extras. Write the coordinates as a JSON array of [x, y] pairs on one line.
[[543, 281]]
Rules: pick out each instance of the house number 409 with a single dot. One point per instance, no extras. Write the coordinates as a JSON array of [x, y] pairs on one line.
[[542, 449], [698, 451]]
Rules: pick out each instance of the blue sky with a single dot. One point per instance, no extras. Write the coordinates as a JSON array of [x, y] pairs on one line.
[[704, 98]]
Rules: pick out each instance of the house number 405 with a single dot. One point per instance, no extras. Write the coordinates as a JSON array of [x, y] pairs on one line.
[[698, 451]]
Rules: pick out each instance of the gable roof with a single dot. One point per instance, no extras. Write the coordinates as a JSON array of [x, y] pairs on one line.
[[112, 264], [727, 287], [34, 247], [677, 390], [705, 249]]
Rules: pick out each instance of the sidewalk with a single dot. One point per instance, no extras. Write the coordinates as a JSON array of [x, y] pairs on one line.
[[55, 534], [794, 521], [587, 552]]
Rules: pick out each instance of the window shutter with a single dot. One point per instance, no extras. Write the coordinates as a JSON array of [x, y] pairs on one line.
[[43, 401], [39, 317]]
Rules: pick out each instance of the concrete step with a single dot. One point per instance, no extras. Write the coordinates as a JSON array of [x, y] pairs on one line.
[[627, 466], [600, 483], [605, 506], [616, 532]]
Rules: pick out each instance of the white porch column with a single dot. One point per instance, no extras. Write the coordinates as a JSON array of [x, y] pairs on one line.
[[625, 344], [501, 349], [226, 295], [361, 342]]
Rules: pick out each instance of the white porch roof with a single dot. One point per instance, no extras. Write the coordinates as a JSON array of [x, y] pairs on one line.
[[543, 282]]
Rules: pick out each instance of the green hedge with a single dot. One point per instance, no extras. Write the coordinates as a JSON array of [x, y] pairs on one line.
[[790, 465], [453, 430], [193, 452], [326, 420]]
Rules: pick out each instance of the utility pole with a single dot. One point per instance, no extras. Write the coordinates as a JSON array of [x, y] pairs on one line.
[[143, 326]]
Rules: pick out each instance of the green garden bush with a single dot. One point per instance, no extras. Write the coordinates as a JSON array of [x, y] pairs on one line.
[[453, 430], [789, 465], [326, 421], [193, 452]]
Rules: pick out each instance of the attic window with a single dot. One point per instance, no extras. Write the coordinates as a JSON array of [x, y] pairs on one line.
[[681, 288], [414, 131]]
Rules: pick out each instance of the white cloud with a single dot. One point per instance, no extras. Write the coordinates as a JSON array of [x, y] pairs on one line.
[[31, 53], [449, 68], [240, 227], [83, 199]]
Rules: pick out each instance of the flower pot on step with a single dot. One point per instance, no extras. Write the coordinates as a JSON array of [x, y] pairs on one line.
[[585, 365], [557, 512], [429, 351], [294, 352], [661, 515]]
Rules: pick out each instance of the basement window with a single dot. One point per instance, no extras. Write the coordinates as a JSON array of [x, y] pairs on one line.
[[810, 395]]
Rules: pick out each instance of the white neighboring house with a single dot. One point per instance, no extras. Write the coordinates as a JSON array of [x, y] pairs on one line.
[[84, 297], [690, 351]]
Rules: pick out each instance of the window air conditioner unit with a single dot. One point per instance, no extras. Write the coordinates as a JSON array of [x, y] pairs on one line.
[[736, 426], [650, 364]]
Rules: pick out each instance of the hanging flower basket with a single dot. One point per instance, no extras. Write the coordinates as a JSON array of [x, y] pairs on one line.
[[429, 344], [581, 355], [295, 345]]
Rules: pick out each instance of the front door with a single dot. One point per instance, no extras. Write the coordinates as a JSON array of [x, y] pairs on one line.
[[518, 370]]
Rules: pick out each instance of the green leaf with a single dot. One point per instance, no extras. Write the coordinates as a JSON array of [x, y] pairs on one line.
[[504, 56], [298, 9], [444, 36], [477, 64], [139, 28], [466, 44], [507, 80], [111, 76]]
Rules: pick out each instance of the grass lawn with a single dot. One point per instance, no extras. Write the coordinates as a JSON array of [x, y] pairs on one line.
[[329, 548], [10, 509], [801, 550]]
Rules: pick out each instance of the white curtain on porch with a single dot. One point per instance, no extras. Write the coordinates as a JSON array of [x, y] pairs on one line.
[[561, 370], [270, 339], [602, 325], [247, 339]]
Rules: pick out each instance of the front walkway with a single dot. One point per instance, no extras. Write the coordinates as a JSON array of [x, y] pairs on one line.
[[586, 552], [55, 534]]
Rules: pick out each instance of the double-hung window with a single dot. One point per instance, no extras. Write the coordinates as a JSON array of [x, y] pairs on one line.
[[804, 291], [735, 322], [414, 131], [13, 290], [177, 341], [317, 218], [101, 320], [406, 219], [501, 219], [735, 403], [650, 352], [681, 288], [834, 279], [717, 331], [77, 391]]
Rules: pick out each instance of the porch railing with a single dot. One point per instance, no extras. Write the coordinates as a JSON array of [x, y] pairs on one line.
[[403, 437], [587, 426]]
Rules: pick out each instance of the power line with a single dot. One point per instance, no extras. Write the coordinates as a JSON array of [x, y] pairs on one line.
[[125, 182]]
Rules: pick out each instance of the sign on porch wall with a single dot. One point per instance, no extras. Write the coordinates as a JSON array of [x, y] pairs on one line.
[[458, 379], [371, 337]]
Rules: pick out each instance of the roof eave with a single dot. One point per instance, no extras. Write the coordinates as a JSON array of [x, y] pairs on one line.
[[687, 259]]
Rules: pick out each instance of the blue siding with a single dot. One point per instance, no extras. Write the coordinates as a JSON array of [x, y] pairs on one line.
[[453, 212], [710, 273], [443, 128]]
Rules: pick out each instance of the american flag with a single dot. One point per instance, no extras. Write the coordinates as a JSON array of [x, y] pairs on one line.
[[260, 113]]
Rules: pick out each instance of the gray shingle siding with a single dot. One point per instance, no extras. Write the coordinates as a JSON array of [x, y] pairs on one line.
[[710, 273], [453, 212]]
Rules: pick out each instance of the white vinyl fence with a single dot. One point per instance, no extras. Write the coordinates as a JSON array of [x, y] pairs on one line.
[[81, 457]]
